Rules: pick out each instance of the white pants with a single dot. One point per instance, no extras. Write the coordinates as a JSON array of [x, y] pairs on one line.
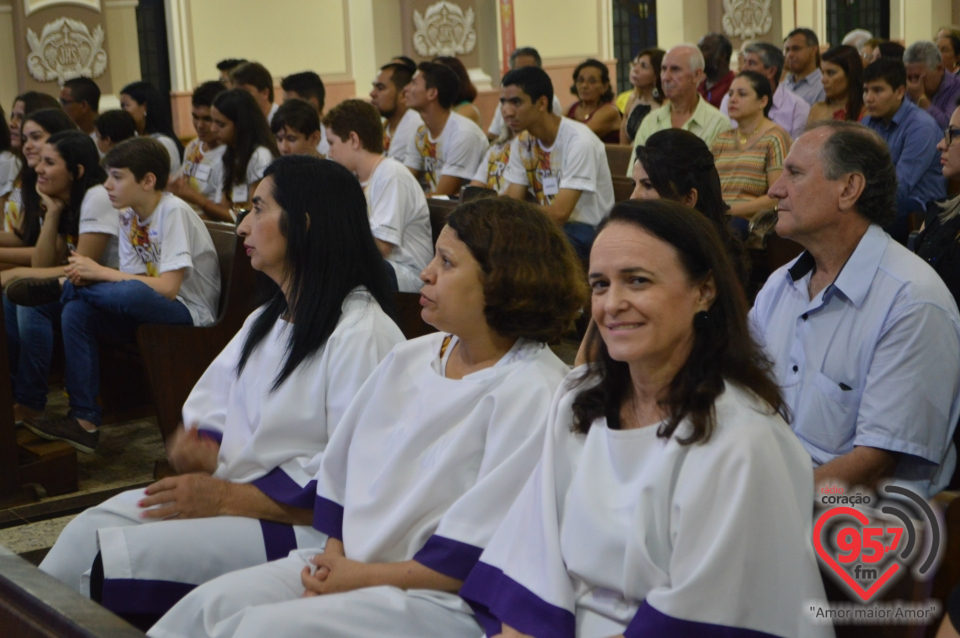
[[153, 563], [267, 601]]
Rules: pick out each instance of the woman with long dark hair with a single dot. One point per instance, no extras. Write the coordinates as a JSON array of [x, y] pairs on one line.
[[23, 211], [647, 93], [260, 417], [463, 104], [842, 69], [662, 463], [594, 106], [240, 126], [78, 218], [150, 109]]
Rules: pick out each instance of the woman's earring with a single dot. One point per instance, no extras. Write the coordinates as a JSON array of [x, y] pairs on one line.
[[701, 320], [656, 93]]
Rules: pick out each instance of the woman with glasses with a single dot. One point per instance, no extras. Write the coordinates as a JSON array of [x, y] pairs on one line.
[[939, 240], [594, 106], [647, 93]]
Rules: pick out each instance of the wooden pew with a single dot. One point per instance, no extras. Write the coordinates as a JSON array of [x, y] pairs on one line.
[[439, 209], [176, 356], [618, 158], [408, 315], [36, 605], [622, 188]]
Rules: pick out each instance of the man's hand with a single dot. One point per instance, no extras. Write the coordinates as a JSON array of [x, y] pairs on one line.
[[190, 451], [80, 270], [186, 496]]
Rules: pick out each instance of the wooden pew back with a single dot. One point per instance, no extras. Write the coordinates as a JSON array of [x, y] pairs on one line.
[[618, 158]]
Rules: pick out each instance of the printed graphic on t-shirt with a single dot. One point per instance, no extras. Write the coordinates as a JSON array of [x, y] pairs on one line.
[[432, 165], [141, 239], [544, 180], [497, 161], [386, 141], [13, 212], [193, 169]]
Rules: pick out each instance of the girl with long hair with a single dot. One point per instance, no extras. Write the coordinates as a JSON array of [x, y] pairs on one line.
[[150, 109], [842, 69]]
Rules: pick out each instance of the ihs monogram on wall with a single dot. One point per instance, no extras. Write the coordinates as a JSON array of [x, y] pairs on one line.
[[64, 50], [746, 18], [444, 29]]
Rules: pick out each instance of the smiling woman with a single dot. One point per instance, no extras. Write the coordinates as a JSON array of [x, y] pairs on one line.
[[662, 462]]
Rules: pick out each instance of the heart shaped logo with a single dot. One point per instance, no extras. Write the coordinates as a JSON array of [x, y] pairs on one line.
[[864, 594]]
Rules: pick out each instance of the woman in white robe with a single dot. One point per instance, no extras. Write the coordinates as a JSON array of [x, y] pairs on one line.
[[671, 499], [260, 417], [431, 452]]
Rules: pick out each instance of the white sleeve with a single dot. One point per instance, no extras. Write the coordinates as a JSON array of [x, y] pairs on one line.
[[390, 204], [412, 158], [97, 214], [463, 152], [581, 165], [483, 171], [515, 173], [176, 251], [258, 163], [173, 151], [496, 126], [130, 261]]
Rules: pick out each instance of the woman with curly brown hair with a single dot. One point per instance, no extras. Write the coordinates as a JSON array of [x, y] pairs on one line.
[[662, 464], [430, 453]]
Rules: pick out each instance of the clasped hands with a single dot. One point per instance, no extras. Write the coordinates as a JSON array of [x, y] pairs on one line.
[[81, 270], [334, 572]]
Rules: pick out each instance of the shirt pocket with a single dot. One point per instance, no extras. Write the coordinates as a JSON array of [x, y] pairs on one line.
[[833, 413]]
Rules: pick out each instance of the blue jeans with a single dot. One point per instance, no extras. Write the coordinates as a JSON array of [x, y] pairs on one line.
[[581, 236], [30, 348], [108, 308]]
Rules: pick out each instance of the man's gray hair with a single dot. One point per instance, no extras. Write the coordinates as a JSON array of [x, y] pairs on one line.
[[923, 52], [770, 55], [857, 38], [854, 148], [696, 57]]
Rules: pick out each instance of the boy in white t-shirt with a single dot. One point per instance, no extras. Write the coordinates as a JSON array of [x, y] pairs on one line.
[[169, 273], [200, 179], [448, 147], [296, 126], [562, 163], [399, 217], [400, 123]]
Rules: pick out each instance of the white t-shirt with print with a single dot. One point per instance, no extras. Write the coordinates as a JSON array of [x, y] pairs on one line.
[[577, 160], [97, 215], [491, 170], [9, 169], [204, 169], [173, 237], [172, 150], [399, 142], [457, 152], [258, 163], [399, 216]]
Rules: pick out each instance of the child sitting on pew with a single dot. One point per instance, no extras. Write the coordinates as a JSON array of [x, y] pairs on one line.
[[296, 125], [169, 273]]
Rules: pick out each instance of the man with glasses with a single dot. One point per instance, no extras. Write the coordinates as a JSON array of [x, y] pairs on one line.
[[911, 135], [802, 52], [80, 99]]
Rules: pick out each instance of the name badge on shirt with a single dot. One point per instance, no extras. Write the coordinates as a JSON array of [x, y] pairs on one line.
[[239, 193], [550, 185], [202, 172]]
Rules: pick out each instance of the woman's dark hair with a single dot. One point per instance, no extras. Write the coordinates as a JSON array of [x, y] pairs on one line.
[[656, 61], [77, 149], [4, 132], [847, 58], [533, 283], [52, 121], [604, 77], [723, 348], [330, 251], [468, 92], [761, 86], [250, 131], [677, 161], [158, 118], [35, 100]]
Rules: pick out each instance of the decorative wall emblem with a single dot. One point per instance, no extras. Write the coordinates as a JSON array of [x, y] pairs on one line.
[[746, 18], [66, 49], [444, 29]]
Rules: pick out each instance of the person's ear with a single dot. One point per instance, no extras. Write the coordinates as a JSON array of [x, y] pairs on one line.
[[900, 92], [543, 105], [852, 189], [80, 170], [355, 142], [149, 182], [314, 138], [265, 94], [432, 94], [691, 198], [708, 293]]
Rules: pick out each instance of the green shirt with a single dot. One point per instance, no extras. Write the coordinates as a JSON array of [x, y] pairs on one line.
[[706, 123]]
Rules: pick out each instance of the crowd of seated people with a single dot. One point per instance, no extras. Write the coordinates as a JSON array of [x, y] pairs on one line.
[[335, 479]]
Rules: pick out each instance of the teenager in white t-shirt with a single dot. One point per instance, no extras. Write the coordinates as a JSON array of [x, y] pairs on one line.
[[200, 181], [400, 123], [241, 127], [297, 129], [169, 273], [306, 86], [448, 147], [399, 217], [562, 163], [79, 219]]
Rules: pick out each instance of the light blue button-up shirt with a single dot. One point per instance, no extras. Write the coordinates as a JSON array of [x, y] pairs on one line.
[[873, 360]]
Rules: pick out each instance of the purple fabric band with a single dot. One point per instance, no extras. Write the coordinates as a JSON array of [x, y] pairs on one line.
[[449, 557], [328, 518], [278, 539], [280, 487], [134, 596], [212, 434], [650, 623], [496, 598]]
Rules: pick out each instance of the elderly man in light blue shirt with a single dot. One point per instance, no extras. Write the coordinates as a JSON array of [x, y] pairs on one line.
[[864, 335]]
